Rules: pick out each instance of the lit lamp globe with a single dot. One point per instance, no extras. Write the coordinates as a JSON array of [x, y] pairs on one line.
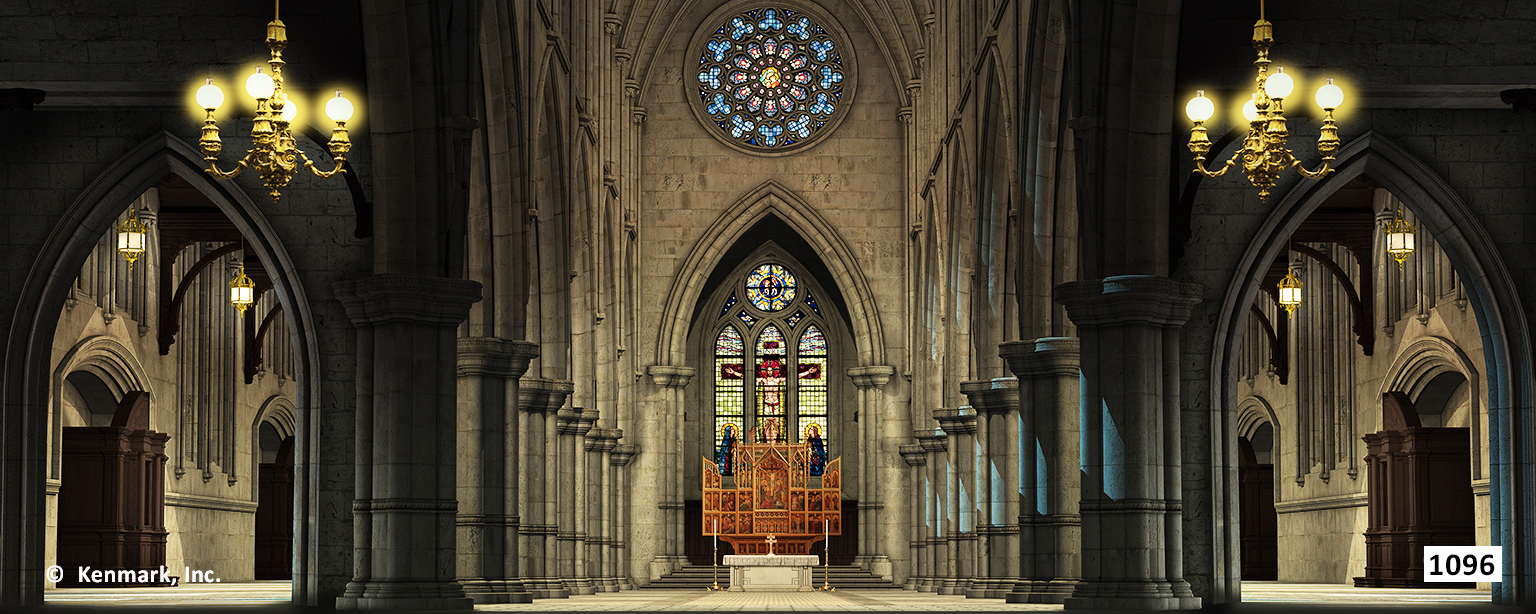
[[339, 109], [130, 237], [1251, 110], [1290, 292], [1200, 108], [1329, 96], [242, 291], [1400, 239], [1279, 85], [259, 85], [290, 108], [209, 96]]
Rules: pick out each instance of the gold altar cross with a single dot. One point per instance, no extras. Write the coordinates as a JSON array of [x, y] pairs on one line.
[[772, 539]]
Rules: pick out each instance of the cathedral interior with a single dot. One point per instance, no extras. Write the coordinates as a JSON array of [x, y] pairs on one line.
[[506, 292]]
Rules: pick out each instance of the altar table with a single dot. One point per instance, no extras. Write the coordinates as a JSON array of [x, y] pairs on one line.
[[761, 572]]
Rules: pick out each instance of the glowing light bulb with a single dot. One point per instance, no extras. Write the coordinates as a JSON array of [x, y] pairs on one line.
[[209, 96], [1250, 110], [1200, 108], [1279, 85], [339, 109], [1329, 96], [290, 108], [259, 85]]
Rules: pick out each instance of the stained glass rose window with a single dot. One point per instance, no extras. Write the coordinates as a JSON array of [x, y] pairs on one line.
[[771, 79]]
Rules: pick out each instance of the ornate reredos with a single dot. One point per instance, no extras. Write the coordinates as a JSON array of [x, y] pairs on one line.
[[770, 77]]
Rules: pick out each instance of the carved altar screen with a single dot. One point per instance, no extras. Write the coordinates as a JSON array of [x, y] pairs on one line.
[[773, 493]]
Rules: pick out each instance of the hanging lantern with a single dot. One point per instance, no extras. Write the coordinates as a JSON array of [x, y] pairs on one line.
[[242, 291], [1400, 239], [131, 234], [1290, 292]]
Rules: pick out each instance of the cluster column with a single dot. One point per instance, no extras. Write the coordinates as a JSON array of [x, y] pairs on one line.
[[960, 534], [407, 426], [934, 494], [997, 403], [1133, 556], [662, 436], [872, 493], [620, 498], [600, 535], [571, 427], [539, 398], [488, 563], [1050, 528], [916, 458]]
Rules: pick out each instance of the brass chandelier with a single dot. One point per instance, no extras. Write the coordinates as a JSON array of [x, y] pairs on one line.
[[1264, 154], [274, 153]]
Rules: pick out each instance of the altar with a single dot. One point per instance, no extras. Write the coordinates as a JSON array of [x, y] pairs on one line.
[[762, 572]]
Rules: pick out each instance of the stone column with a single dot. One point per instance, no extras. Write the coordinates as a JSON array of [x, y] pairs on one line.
[[488, 562], [662, 435], [600, 538], [997, 402], [935, 497], [1132, 491], [571, 429], [618, 548], [872, 496], [539, 398], [409, 440], [1050, 529], [916, 458], [960, 424]]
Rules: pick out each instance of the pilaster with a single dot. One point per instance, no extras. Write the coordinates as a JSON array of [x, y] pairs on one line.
[[405, 525]]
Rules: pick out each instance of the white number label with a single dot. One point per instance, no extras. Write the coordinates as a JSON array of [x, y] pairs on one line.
[[1463, 563]]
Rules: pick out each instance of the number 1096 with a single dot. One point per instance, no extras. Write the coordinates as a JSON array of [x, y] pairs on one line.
[[1463, 563]]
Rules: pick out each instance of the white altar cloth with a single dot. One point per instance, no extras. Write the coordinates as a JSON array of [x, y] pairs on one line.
[[760, 572]]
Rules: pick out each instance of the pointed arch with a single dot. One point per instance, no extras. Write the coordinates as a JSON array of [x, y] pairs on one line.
[[770, 198], [34, 323], [111, 361], [1495, 302]]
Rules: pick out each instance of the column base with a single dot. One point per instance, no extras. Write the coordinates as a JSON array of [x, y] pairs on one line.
[[862, 561], [954, 586], [927, 584], [1132, 595], [982, 588], [496, 591], [579, 586], [547, 588], [880, 565], [608, 585], [660, 566], [1040, 591], [404, 595]]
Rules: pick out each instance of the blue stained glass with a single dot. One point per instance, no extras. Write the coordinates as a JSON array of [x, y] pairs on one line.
[[770, 20], [760, 68], [747, 317], [729, 303], [812, 302], [770, 287], [794, 319]]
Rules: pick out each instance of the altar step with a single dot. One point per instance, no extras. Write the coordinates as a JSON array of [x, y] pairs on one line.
[[843, 577]]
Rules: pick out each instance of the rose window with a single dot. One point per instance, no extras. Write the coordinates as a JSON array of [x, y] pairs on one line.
[[771, 80]]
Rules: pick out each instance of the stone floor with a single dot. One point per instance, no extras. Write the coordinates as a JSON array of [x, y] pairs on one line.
[[1258, 597]]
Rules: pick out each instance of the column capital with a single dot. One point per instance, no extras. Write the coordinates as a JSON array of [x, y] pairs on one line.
[[539, 395], [956, 420], [931, 440], [603, 440], [495, 357], [395, 298], [914, 454], [623, 453], [871, 377], [575, 421], [669, 376], [999, 394], [1043, 357], [1128, 299]]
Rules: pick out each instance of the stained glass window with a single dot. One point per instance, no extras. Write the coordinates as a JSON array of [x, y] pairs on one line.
[[811, 394], [771, 359], [771, 78], [730, 386], [770, 287]]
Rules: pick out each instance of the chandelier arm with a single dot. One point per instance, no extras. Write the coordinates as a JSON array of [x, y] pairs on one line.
[[319, 173], [213, 167], [1320, 172], [1200, 166]]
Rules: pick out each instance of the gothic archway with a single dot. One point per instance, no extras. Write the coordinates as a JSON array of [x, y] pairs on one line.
[[29, 346], [1491, 294]]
